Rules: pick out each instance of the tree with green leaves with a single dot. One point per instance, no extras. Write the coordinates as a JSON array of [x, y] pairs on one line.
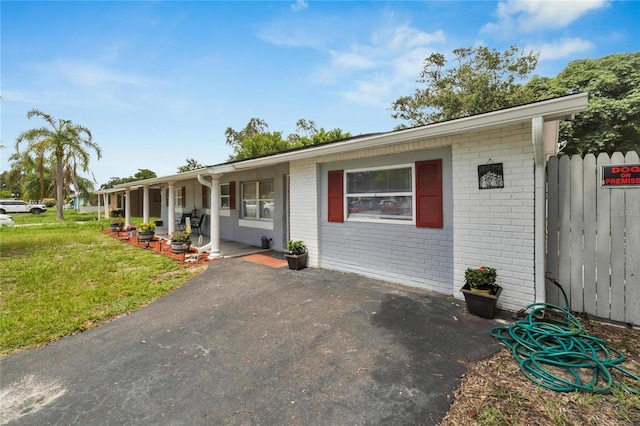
[[34, 177], [140, 175], [57, 142], [255, 139], [480, 79], [612, 119], [192, 164]]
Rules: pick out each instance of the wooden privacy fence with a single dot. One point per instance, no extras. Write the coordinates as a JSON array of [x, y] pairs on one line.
[[593, 238]]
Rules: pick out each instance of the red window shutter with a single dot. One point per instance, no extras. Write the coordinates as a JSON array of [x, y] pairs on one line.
[[429, 194], [336, 198], [166, 198], [184, 197], [232, 195]]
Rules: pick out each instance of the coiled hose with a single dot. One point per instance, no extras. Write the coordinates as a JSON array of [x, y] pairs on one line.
[[555, 352]]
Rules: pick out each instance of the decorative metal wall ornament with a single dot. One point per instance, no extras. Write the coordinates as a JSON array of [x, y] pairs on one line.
[[490, 175]]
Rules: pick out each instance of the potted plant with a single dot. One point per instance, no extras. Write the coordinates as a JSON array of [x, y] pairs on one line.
[[146, 231], [481, 291], [297, 257], [116, 225], [131, 230], [180, 242]]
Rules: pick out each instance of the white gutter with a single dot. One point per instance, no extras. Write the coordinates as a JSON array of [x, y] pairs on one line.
[[537, 124]]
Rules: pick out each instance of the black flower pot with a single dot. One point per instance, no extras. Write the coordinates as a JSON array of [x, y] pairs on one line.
[[480, 304], [180, 247], [145, 236], [297, 261]]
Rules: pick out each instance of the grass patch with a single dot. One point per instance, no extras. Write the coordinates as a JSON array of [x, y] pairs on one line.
[[59, 278]]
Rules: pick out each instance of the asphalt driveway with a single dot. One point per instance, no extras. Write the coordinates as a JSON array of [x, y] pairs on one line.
[[247, 344]]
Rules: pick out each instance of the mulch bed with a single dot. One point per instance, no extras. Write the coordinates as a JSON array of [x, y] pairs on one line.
[[161, 246]]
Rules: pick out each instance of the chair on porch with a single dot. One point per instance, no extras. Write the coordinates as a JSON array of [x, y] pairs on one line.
[[181, 223], [197, 225]]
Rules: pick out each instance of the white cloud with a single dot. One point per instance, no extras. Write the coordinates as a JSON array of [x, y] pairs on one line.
[[83, 83], [385, 67], [286, 35], [91, 75], [299, 5], [408, 37], [360, 57], [372, 91], [350, 60], [560, 49], [535, 15]]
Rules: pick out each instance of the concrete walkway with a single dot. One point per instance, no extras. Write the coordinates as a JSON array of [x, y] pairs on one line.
[[247, 344]]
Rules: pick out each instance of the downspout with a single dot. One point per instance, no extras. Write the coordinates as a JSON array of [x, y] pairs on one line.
[[214, 227], [537, 124]]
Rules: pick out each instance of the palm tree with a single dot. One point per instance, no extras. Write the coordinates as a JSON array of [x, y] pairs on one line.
[[32, 175], [60, 140]]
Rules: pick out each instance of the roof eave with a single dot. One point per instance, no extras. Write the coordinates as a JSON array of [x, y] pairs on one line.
[[552, 109]]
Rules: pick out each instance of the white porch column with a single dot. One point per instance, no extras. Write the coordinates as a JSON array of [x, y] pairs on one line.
[[171, 212], [214, 226], [98, 206], [127, 207], [106, 205], [145, 203]]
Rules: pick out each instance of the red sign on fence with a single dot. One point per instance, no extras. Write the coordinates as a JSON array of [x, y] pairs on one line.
[[620, 175]]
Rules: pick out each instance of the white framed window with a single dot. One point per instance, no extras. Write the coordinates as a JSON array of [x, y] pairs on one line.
[[225, 196], [380, 194], [258, 200], [178, 196]]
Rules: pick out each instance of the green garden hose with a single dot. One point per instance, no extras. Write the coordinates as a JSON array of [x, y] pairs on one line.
[[555, 352]]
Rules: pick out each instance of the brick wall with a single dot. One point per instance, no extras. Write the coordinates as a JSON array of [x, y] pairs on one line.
[[303, 220], [495, 227]]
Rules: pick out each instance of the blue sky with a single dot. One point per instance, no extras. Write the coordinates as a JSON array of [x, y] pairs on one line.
[[159, 82]]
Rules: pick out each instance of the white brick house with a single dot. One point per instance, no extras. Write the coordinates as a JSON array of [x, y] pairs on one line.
[[403, 206]]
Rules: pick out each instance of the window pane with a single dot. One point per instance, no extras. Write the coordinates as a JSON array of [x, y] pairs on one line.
[[249, 209], [379, 181], [399, 208], [249, 190], [266, 190], [224, 189], [266, 209]]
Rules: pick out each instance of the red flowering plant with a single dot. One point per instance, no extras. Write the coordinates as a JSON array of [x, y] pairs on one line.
[[481, 278]]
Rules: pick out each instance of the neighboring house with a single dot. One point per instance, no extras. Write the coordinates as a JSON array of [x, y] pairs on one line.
[[404, 206]]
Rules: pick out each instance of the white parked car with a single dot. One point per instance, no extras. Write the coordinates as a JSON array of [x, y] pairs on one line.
[[19, 206], [6, 220]]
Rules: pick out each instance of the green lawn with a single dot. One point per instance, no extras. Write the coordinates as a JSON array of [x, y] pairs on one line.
[[60, 278]]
